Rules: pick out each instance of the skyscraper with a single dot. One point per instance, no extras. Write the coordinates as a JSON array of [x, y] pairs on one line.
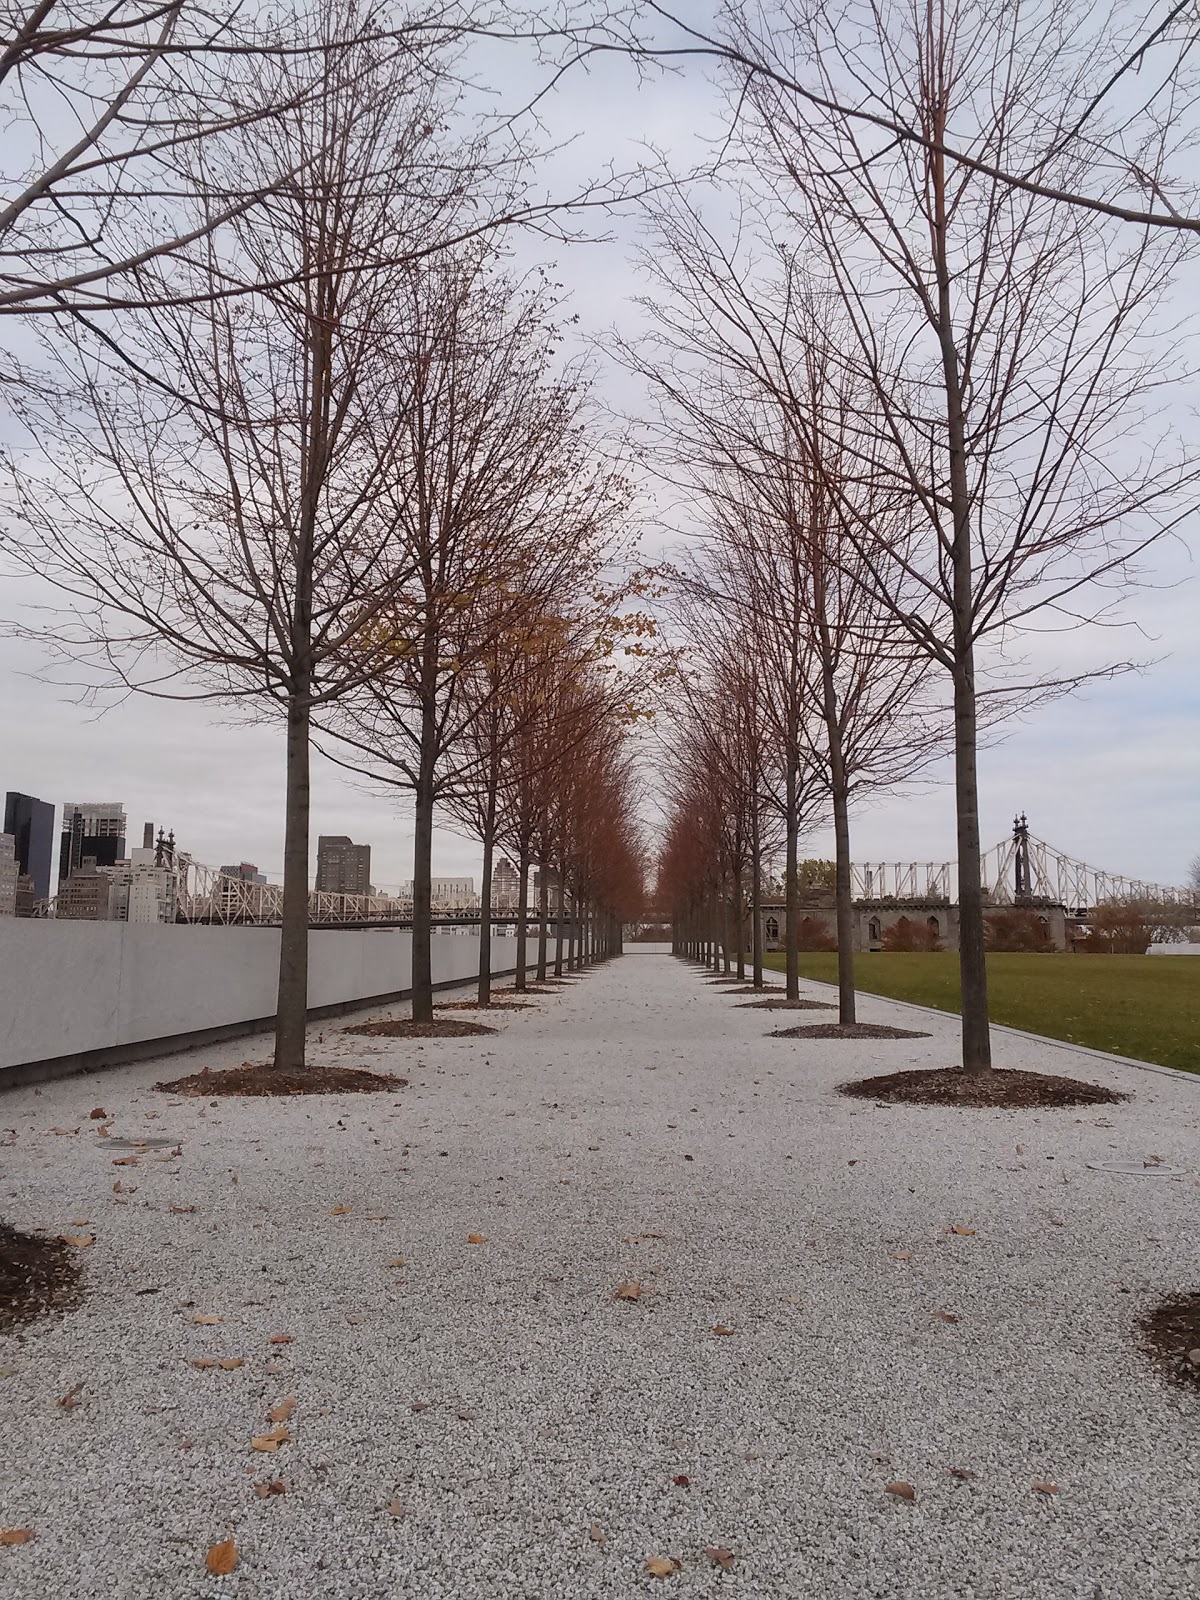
[[31, 823], [96, 830], [8, 877], [343, 867]]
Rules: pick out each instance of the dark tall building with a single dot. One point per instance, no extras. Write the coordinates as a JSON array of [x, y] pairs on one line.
[[31, 823], [97, 831], [343, 867]]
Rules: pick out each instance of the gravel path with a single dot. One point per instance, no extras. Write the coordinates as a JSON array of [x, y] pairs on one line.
[[638, 1127]]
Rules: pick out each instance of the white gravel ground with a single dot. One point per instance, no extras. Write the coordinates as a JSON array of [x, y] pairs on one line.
[[637, 1127]]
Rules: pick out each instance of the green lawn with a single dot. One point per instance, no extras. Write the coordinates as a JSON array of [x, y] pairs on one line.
[[1142, 1006]]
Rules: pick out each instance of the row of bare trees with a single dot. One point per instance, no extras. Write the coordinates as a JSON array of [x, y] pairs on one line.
[[312, 454], [942, 394]]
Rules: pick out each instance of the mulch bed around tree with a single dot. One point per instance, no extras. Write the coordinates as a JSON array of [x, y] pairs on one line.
[[406, 1028], [784, 1005], [482, 1005], [1002, 1087], [1171, 1332], [38, 1276], [847, 1030], [262, 1078]]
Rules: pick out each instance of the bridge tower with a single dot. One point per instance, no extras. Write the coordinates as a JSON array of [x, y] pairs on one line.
[[1022, 886]]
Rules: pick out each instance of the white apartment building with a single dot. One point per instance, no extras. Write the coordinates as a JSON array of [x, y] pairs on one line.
[[142, 891]]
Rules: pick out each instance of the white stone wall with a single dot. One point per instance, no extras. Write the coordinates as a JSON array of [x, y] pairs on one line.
[[67, 988]]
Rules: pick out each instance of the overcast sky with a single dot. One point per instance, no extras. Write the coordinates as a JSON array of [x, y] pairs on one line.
[[1111, 776]]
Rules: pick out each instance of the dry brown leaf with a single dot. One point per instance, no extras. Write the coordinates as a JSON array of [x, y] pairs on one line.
[[265, 1490], [681, 1480], [967, 1233], [477, 1238], [397, 1261], [281, 1338], [661, 1566], [396, 1508], [902, 1490], [204, 1362], [79, 1240], [125, 1161], [1020, 1149], [222, 1558], [15, 1535], [267, 1443], [901, 1255], [1043, 1487], [98, 1115], [282, 1412], [104, 1133], [79, 1222], [723, 1558], [721, 1328], [628, 1291], [67, 1131], [229, 1363], [207, 1321], [340, 1211], [946, 1316], [419, 1405], [179, 1211], [964, 1473], [71, 1399], [597, 1534]]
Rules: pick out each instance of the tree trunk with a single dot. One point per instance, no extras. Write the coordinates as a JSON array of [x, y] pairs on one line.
[[291, 1018], [559, 925], [484, 993], [739, 923], [543, 921], [756, 908], [522, 919], [422, 929], [976, 1037], [791, 887]]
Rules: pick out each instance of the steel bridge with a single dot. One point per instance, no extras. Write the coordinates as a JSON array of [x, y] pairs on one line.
[[1019, 868]]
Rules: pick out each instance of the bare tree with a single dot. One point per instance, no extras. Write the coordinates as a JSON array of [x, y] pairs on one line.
[[213, 492], [1006, 345], [499, 513]]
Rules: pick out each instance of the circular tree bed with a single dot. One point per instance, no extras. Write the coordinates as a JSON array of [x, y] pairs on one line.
[[38, 1276], [1002, 1087], [1171, 1333], [482, 1005], [787, 1005], [847, 1030], [262, 1078], [406, 1028]]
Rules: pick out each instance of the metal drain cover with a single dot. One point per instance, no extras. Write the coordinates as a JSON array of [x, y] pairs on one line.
[[1139, 1169]]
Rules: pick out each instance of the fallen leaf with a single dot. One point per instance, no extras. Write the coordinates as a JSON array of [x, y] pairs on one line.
[[79, 1240], [661, 1566], [396, 1508], [71, 1399], [79, 1222], [1045, 1488], [946, 1316], [179, 1211], [902, 1490], [281, 1338], [222, 1558], [901, 1255], [723, 1558], [419, 1405], [228, 1363], [207, 1321], [15, 1535], [98, 1115], [67, 1131], [125, 1161], [397, 1261], [881, 1456], [103, 1133], [340, 1211], [282, 1412], [961, 1472], [628, 1291], [597, 1534], [477, 1238], [682, 1480], [270, 1442], [721, 1328], [204, 1362], [966, 1232], [465, 1416], [265, 1490], [1020, 1149]]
